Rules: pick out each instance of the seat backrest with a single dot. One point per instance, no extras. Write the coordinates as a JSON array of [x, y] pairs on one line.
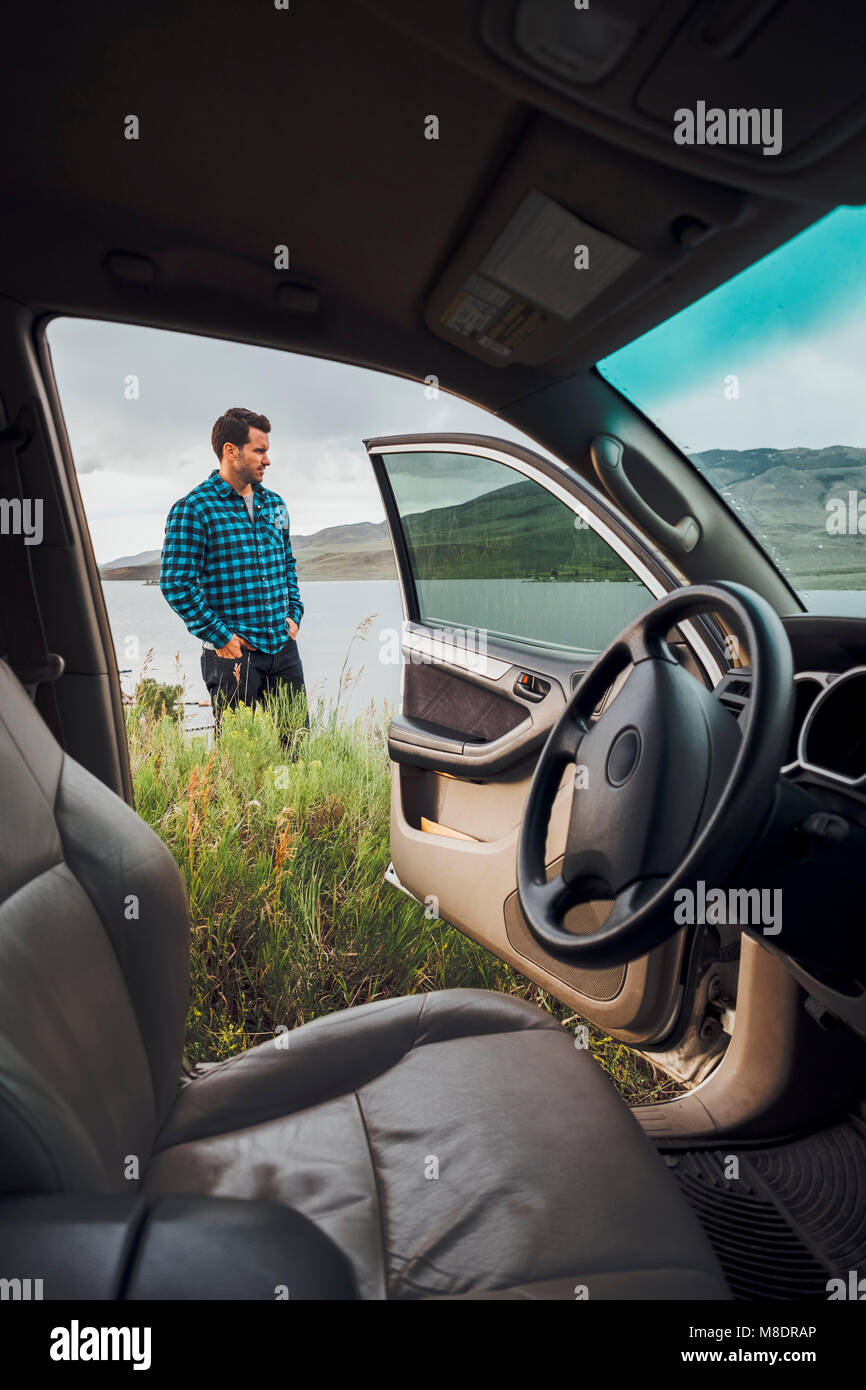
[[94, 969]]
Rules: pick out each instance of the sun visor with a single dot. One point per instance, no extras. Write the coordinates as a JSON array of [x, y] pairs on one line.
[[540, 250], [567, 237], [546, 264]]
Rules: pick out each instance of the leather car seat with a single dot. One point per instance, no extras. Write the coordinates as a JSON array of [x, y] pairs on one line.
[[451, 1144]]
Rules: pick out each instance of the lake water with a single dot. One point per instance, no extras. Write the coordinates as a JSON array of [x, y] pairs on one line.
[[586, 613], [142, 623], [837, 603]]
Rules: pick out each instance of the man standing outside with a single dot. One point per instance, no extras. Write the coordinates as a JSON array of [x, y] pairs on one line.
[[228, 570]]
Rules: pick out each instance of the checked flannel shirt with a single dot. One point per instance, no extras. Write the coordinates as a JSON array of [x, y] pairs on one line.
[[223, 572]]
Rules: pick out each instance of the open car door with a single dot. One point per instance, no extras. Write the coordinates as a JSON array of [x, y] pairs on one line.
[[514, 575]]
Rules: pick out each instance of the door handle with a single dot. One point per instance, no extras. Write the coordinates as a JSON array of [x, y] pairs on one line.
[[606, 453]]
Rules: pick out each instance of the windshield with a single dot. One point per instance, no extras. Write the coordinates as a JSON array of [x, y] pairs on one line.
[[761, 383]]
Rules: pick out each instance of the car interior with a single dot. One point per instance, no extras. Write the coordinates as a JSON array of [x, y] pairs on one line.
[[416, 161]]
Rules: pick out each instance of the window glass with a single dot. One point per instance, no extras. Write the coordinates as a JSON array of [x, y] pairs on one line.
[[761, 384], [494, 550]]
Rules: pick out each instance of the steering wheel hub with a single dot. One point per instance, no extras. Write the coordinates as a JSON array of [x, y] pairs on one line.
[[623, 757]]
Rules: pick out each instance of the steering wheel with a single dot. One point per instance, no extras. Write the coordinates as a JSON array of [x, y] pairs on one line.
[[669, 788]]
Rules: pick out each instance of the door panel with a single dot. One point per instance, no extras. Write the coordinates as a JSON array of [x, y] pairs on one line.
[[471, 722], [514, 574], [472, 885]]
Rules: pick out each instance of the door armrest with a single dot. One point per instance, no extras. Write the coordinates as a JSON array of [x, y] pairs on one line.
[[431, 746]]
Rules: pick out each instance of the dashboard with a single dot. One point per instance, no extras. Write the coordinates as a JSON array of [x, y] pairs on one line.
[[828, 739], [826, 757], [832, 736]]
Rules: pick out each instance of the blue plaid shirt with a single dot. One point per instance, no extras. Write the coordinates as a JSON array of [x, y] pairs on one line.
[[224, 572]]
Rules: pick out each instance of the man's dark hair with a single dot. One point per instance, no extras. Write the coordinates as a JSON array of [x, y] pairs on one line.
[[234, 428]]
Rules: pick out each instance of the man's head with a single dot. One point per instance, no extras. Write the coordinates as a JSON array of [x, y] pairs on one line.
[[240, 442]]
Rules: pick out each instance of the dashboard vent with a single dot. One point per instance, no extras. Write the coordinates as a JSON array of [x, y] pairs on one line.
[[743, 688], [733, 692]]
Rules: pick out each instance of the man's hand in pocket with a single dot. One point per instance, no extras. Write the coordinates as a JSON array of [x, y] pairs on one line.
[[293, 629], [234, 647]]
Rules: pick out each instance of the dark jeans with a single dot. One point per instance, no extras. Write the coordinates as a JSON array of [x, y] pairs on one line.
[[251, 677]]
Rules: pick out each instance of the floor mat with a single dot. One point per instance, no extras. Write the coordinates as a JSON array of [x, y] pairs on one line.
[[793, 1218]]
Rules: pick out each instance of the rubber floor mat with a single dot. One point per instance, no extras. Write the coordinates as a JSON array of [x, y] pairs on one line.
[[793, 1218]]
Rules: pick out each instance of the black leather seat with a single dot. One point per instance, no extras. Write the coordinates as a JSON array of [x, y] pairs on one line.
[[451, 1145]]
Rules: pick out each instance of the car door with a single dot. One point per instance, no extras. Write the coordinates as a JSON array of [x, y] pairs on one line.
[[514, 574]]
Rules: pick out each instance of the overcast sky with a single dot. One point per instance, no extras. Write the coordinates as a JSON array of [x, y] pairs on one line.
[[791, 329], [135, 457]]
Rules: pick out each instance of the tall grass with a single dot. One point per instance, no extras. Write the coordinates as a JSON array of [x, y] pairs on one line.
[[282, 836]]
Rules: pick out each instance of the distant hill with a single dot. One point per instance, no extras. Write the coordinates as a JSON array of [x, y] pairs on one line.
[[144, 557], [780, 494], [360, 550], [526, 531], [520, 529], [357, 550]]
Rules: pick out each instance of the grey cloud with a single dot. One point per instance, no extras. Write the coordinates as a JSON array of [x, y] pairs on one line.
[[185, 382]]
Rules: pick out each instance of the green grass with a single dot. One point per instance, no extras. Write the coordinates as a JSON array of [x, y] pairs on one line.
[[282, 838]]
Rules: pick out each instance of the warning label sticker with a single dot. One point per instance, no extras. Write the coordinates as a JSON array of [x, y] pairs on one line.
[[497, 320], [546, 263]]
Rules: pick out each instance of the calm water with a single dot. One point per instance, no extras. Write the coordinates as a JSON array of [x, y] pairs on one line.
[[838, 603], [146, 630], [141, 621]]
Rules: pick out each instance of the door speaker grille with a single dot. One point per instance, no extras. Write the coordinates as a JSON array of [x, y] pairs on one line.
[[601, 984]]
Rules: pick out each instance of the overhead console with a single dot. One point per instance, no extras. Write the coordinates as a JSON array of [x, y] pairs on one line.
[[621, 69], [653, 126], [638, 62], [572, 232]]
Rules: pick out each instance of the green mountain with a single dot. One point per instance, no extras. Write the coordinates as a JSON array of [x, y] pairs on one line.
[[515, 531], [360, 550], [781, 495]]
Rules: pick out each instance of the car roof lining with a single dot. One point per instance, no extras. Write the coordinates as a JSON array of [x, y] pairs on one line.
[[326, 155]]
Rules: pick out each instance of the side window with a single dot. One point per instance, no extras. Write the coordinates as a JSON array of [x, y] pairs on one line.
[[492, 549]]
